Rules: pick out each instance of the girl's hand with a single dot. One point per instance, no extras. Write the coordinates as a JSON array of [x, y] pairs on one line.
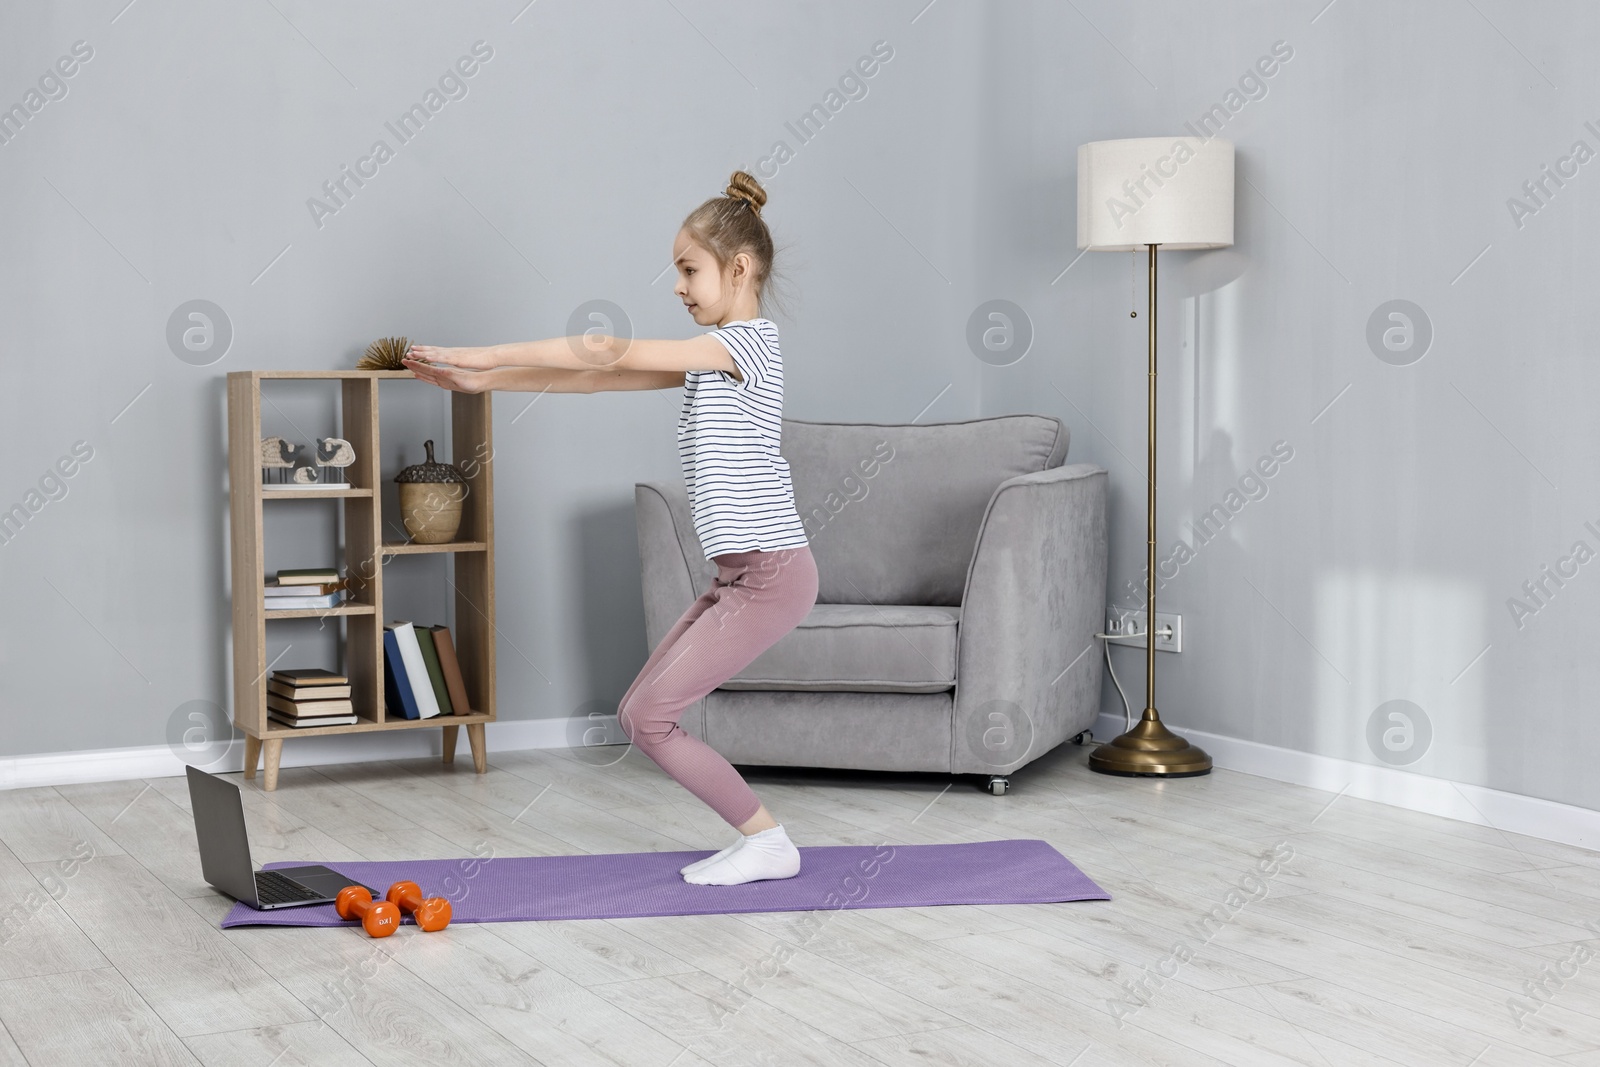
[[465, 358], [452, 378]]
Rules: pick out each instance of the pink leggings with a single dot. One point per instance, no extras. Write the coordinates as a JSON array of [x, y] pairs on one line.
[[755, 598]]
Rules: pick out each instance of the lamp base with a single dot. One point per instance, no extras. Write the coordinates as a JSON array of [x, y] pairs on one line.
[[1150, 750]]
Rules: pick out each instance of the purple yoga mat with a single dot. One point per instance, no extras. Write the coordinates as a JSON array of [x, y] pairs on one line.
[[512, 888]]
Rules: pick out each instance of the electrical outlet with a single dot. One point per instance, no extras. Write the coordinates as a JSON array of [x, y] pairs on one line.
[[1129, 627]]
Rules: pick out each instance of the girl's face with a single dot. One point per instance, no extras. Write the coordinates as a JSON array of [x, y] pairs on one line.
[[708, 293]]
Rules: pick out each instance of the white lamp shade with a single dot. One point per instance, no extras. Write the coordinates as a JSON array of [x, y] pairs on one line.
[[1176, 192]]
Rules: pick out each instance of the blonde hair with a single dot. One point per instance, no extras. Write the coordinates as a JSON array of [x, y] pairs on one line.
[[731, 223]]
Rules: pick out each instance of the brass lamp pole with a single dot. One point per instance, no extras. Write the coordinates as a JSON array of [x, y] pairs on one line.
[[1150, 748], [1149, 192]]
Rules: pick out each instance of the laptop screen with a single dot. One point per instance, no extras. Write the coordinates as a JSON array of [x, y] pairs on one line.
[[219, 827]]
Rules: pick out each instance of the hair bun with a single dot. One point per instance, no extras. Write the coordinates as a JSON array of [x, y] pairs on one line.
[[743, 186]]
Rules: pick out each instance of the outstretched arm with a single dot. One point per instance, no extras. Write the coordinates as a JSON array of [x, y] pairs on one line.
[[588, 352], [526, 379], [544, 379]]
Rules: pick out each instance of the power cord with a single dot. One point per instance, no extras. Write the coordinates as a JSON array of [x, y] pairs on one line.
[[1127, 712]]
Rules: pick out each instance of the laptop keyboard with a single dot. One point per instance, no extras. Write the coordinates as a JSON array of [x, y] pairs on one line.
[[274, 888]]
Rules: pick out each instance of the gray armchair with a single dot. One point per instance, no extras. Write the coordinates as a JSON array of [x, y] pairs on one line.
[[961, 578]]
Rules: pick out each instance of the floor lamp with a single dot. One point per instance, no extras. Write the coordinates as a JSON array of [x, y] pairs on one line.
[[1145, 192]]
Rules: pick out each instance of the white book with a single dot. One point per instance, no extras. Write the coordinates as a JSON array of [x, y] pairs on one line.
[[405, 635]]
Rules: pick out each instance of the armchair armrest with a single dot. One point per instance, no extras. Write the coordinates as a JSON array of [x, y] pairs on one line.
[[1028, 673]]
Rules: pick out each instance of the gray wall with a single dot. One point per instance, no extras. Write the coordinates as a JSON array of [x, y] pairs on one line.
[[1374, 566]]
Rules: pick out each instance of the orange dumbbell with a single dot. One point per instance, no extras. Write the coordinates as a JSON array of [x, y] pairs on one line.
[[379, 918], [430, 913]]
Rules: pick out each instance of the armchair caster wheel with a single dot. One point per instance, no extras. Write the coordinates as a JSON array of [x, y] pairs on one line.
[[1083, 737], [998, 783]]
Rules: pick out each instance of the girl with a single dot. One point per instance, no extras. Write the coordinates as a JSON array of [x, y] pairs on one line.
[[740, 494]]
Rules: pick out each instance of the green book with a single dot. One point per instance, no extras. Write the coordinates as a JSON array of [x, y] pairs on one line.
[[430, 657]]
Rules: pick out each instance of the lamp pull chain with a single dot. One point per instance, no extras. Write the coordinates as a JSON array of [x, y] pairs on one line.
[[1133, 257]]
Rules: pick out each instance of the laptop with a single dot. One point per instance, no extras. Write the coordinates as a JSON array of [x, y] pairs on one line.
[[225, 854]]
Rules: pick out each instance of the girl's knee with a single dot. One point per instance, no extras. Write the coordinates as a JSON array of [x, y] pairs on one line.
[[639, 727]]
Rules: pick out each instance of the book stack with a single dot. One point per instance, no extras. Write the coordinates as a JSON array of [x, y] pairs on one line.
[[298, 590], [421, 676], [309, 696]]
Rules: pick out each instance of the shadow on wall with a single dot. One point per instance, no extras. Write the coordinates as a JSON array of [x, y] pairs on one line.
[[1196, 520], [1197, 528]]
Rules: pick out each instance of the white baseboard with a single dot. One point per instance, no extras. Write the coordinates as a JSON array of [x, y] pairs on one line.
[[162, 761], [1511, 812]]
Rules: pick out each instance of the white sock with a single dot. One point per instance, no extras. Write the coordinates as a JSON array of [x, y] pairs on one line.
[[702, 861], [768, 854]]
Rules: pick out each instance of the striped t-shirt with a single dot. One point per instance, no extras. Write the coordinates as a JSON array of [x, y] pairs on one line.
[[740, 492]]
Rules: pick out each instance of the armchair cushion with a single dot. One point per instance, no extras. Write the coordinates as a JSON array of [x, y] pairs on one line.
[[862, 648]]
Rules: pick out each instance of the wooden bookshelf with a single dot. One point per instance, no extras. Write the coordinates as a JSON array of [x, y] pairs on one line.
[[365, 552]]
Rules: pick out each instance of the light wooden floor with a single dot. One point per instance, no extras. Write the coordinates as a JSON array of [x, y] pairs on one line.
[[1385, 937]]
